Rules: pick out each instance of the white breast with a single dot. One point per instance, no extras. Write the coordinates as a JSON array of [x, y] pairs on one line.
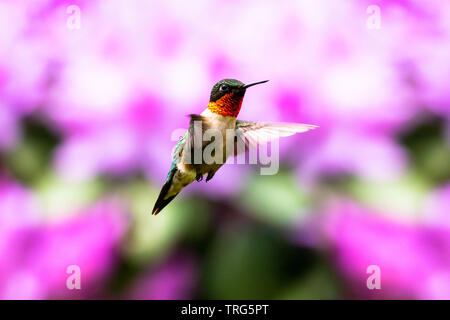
[[219, 121]]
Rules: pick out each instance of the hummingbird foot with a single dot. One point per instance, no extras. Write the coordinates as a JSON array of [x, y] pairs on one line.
[[199, 177], [210, 176]]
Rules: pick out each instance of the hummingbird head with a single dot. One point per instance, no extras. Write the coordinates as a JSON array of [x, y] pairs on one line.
[[227, 95]]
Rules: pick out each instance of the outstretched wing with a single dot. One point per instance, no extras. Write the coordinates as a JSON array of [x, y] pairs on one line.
[[251, 134]]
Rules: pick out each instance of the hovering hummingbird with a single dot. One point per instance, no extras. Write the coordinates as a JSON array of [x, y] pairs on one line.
[[224, 105]]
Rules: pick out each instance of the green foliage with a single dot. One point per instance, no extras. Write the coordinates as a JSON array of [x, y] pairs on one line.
[[153, 236], [33, 155], [276, 200], [429, 149], [246, 262]]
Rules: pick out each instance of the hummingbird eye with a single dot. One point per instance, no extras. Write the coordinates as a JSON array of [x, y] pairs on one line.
[[224, 88]]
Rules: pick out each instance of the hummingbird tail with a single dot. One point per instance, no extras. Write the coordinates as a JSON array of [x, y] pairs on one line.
[[162, 201]]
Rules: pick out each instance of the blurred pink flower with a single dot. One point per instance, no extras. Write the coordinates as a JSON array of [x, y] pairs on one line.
[[119, 86], [34, 257], [173, 279], [9, 127], [116, 145], [116, 89], [18, 212], [368, 155], [414, 260], [438, 208]]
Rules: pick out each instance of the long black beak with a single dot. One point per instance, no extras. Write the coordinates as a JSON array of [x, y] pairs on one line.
[[254, 84]]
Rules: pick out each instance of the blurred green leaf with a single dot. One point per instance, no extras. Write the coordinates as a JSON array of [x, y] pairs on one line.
[[153, 236], [319, 284], [405, 197], [241, 266], [276, 199], [58, 197], [429, 150], [251, 263], [32, 157]]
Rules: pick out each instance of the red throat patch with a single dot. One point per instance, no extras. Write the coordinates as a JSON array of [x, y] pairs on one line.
[[228, 105]]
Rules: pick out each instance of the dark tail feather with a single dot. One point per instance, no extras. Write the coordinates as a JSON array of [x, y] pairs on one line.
[[161, 202]]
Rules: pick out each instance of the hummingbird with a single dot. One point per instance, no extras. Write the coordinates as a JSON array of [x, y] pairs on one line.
[[221, 114]]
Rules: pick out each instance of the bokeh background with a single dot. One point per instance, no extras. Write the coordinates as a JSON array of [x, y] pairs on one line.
[[87, 114]]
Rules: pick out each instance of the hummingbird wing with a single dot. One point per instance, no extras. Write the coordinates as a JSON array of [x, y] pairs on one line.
[[194, 136], [251, 134], [197, 127]]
